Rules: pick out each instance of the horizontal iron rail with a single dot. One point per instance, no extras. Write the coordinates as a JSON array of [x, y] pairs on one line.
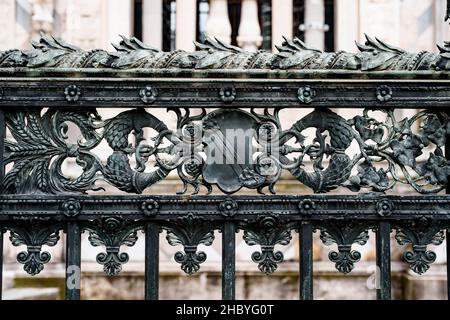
[[49, 72], [332, 206], [204, 93]]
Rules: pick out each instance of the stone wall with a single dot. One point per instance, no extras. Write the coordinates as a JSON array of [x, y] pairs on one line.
[[250, 284]]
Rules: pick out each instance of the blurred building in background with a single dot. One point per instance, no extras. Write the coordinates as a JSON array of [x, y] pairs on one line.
[[330, 25], [252, 24]]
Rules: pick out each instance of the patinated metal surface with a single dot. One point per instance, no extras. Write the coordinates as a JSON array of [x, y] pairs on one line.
[[113, 221], [374, 55], [212, 91], [41, 147]]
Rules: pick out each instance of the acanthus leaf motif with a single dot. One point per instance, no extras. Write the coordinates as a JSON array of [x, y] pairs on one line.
[[34, 236], [420, 234], [190, 231], [267, 232], [388, 152], [112, 233], [344, 235], [131, 53]]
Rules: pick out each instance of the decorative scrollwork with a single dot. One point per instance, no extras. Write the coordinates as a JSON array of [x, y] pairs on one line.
[[34, 235], [228, 148], [398, 146], [118, 170], [420, 234], [190, 231], [344, 234], [41, 147], [267, 232], [112, 233]]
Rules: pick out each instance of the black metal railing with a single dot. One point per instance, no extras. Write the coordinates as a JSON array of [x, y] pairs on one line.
[[389, 171]]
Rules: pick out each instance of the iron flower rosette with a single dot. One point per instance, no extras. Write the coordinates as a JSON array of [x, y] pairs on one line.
[[227, 94], [71, 207], [148, 94], [384, 93], [384, 207], [72, 93], [228, 207], [150, 207], [306, 94], [306, 207]]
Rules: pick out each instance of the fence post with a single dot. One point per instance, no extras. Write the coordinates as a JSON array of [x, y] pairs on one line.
[[73, 261], [447, 233], [151, 261], [228, 261], [2, 174], [383, 247], [306, 261]]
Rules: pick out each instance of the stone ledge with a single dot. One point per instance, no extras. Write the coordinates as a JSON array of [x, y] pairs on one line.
[[31, 294]]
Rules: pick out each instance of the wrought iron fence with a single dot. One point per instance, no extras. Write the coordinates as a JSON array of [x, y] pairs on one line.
[[216, 91]]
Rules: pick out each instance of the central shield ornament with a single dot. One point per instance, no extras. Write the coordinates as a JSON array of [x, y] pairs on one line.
[[229, 137]]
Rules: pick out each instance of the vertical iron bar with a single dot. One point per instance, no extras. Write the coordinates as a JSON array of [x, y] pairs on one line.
[[447, 233], [447, 238], [2, 144], [151, 261], [383, 271], [266, 24], [2, 174], [1, 262], [306, 261], [228, 261], [447, 13], [73, 261]]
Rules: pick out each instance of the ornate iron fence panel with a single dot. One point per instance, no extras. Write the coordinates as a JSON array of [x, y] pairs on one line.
[[229, 136]]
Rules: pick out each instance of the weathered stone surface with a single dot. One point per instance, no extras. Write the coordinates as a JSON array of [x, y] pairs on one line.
[[282, 285]]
